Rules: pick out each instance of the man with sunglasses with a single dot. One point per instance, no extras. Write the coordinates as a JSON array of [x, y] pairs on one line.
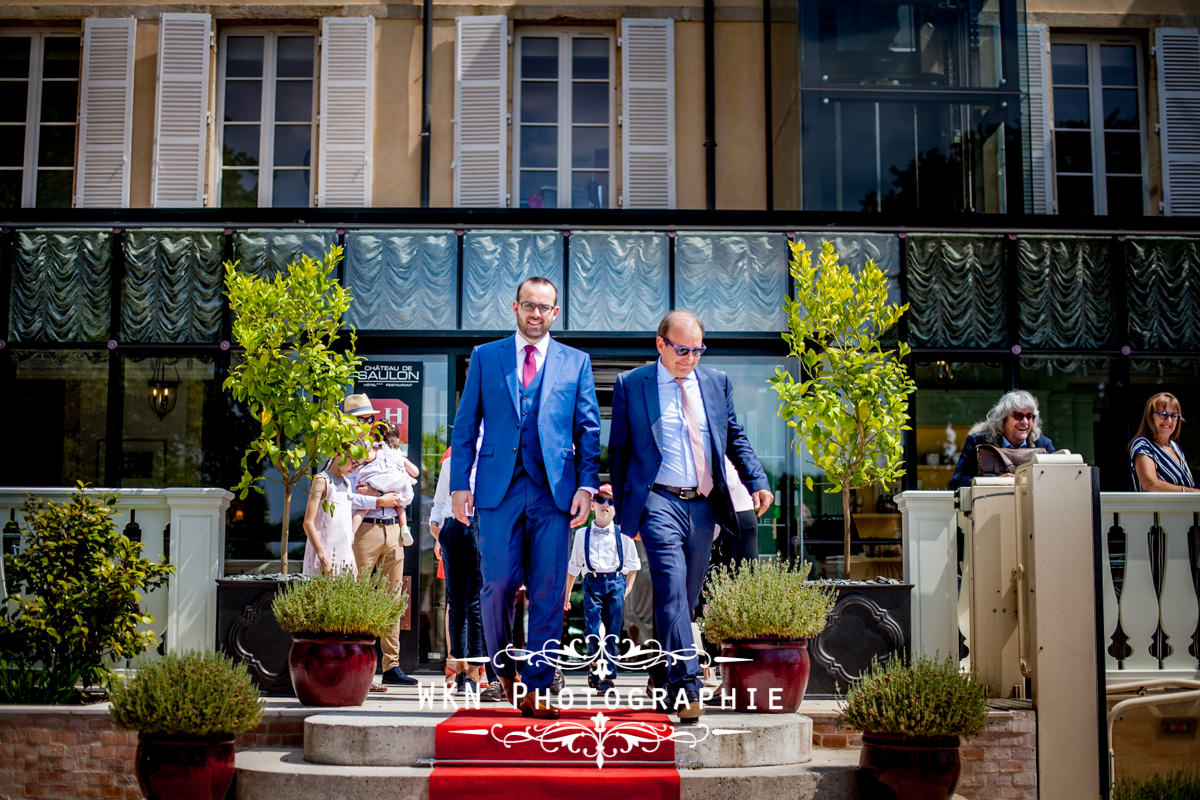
[[673, 423], [538, 465]]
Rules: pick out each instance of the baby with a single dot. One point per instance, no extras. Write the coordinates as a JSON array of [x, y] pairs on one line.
[[388, 470]]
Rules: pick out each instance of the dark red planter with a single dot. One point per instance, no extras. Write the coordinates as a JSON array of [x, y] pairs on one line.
[[895, 767], [774, 678], [184, 767], [331, 669]]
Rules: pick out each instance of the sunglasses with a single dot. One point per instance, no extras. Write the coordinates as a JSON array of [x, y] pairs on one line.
[[684, 352], [1168, 415], [602, 501], [1020, 415], [366, 418]]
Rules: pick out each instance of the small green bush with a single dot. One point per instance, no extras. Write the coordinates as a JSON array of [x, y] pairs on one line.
[[194, 694], [339, 602], [74, 604], [1184, 784], [764, 598], [921, 698]]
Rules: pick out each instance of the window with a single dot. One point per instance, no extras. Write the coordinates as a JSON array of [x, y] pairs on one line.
[[564, 131], [1098, 147], [266, 111], [39, 96]]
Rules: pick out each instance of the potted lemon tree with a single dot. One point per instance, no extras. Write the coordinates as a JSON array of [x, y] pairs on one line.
[[186, 708], [763, 613], [334, 620], [913, 716]]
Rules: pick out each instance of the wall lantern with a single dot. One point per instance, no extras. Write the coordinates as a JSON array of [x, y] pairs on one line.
[[163, 393]]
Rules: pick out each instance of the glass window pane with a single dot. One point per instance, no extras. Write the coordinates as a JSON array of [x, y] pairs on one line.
[[10, 188], [1123, 153], [56, 146], [293, 101], [589, 190], [1072, 151], [1118, 65], [1125, 196], [239, 188], [241, 146], [1120, 108], [12, 145], [589, 58], [539, 101], [243, 101], [539, 189], [294, 57], [539, 57], [539, 146], [1075, 194], [589, 102], [14, 57], [54, 188], [589, 147], [13, 96], [62, 57], [290, 188], [1071, 108], [244, 57], [293, 145], [1069, 64], [190, 439], [59, 101]]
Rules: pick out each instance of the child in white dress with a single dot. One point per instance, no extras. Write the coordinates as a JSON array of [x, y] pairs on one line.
[[330, 545]]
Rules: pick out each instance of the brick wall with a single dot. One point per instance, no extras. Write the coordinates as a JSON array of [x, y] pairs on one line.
[[998, 764], [78, 754]]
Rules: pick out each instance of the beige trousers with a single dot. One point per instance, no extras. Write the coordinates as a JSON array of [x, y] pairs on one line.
[[378, 547]]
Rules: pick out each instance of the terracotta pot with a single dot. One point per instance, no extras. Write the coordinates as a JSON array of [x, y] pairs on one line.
[[184, 767], [894, 767], [774, 678], [331, 669]]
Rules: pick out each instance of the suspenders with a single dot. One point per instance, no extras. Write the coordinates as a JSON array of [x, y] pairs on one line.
[[587, 549]]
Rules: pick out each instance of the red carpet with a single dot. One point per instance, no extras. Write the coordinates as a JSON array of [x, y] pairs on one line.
[[495, 752]]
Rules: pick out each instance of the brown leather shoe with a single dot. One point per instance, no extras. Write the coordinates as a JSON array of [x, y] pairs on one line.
[[531, 706], [693, 711], [506, 685]]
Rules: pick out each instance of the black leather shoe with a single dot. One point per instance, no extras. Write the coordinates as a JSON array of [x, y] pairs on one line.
[[559, 681], [396, 676]]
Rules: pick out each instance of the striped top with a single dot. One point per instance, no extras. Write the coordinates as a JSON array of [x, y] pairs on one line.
[[1168, 468]]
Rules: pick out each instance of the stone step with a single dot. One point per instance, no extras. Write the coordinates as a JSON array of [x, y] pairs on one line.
[[273, 774], [406, 739]]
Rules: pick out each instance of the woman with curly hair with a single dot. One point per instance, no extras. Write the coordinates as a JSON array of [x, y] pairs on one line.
[[1012, 423]]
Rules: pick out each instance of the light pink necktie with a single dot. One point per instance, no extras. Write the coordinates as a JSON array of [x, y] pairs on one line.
[[530, 369], [703, 475]]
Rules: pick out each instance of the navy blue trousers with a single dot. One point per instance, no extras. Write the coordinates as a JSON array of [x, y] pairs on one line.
[[464, 581], [604, 602]]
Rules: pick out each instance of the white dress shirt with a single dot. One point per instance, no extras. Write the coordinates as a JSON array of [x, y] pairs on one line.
[[604, 551]]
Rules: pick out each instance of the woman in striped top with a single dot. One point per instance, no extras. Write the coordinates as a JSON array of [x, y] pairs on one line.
[[1156, 463]]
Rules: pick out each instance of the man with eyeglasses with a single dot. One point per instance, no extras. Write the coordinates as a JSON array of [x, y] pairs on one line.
[[673, 423], [538, 464]]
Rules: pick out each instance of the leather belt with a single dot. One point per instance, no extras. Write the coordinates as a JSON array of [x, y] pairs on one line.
[[678, 492], [383, 520]]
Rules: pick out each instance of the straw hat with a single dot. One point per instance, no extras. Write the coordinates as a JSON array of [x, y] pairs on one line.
[[359, 405]]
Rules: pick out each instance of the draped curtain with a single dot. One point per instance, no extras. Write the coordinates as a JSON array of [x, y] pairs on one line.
[[1064, 285], [494, 263], [1163, 284], [856, 248], [402, 279], [61, 286], [619, 280], [172, 290], [733, 281], [956, 290], [266, 253]]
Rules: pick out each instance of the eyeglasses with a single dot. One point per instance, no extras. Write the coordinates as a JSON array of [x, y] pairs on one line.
[[602, 501], [684, 352], [1020, 415], [529, 307], [1168, 415], [366, 418]]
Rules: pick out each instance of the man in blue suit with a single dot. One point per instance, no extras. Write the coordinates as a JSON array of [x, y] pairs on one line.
[[673, 423], [538, 465]]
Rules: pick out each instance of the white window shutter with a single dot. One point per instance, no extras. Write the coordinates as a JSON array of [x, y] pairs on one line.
[[105, 113], [1178, 52], [1034, 44], [181, 111], [480, 119], [648, 113], [345, 136]]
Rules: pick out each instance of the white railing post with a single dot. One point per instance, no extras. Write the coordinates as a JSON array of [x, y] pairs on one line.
[[930, 547], [198, 553]]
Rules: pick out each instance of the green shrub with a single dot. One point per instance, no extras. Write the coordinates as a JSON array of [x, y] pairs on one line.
[[921, 698], [194, 694], [1183, 784], [764, 598], [74, 600], [339, 602]]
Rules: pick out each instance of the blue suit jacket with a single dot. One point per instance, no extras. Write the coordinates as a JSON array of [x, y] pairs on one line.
[[633, 443], [568, 423]]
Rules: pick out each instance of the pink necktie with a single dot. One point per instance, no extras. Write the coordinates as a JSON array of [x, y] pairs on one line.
[[703, 476], [530, 368]]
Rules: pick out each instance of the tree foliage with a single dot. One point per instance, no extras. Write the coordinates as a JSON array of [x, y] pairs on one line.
[[850, 404], [74, 600], [292, 376]]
